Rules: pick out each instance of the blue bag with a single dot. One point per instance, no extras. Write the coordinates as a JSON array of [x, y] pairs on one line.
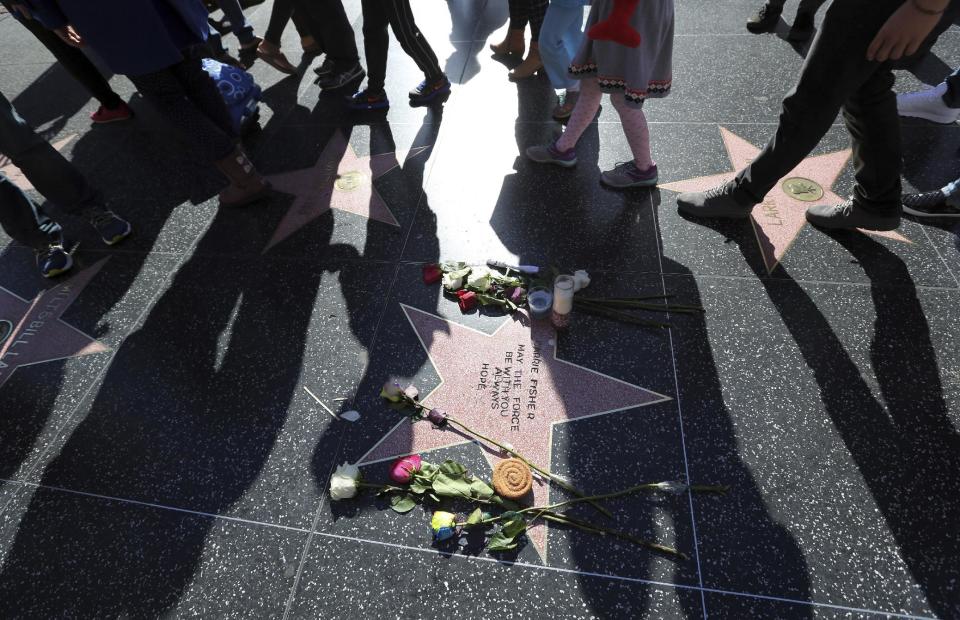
[[239, 91]]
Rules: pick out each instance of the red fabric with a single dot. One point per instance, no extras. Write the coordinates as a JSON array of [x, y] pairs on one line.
[[616, 27]]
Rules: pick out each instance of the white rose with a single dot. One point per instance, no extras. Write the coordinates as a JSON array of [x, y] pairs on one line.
[[451, 283], [581, 279], [479, 279], [343, 483]]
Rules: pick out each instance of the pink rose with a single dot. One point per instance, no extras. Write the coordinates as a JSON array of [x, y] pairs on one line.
[[403, 469]]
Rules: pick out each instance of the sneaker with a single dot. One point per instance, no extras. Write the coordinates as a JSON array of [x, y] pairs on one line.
[[723, 201], [53, 260], [111, 228], [550, 154], [428, 90], [626, 175], [928, 104], [849, 215], [802, 28], [324, 69], [930, 204], [105, 115], [765, 20], [565, 105], [339, 79], [366, 100]]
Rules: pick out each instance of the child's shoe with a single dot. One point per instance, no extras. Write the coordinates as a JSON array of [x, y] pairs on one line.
[[53, 260], [112, 228], [366, 100], [428, 90], [928, 104], [626, 175], [107, 115], [550, 154]]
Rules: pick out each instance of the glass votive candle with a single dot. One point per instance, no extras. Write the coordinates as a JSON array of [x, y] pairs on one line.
[[540, 300], [562, 301]]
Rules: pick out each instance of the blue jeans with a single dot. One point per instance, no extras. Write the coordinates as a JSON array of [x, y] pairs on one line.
[[560, 38], [52, 175]]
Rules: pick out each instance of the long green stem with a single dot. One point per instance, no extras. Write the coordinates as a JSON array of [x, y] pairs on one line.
[[592, 308], [564, 519]]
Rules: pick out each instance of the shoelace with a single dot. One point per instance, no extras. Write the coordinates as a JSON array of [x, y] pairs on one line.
[[720, 190], [845, 207], [49, 251]]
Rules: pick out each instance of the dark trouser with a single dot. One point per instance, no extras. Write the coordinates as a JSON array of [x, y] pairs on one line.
[[186, 95], [806, 6], [238, 21], [952, 96], [327, 22], [47, 170], [532, 11], [76, 64], [377, 15], [281, 14], [837, 76]]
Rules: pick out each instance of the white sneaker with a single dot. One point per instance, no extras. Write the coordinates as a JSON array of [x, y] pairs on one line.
[[928, 104]]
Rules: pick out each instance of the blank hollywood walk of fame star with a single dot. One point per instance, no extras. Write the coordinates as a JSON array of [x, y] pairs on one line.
[[539, 391], [778, 220], [338, 180], [39, 334]]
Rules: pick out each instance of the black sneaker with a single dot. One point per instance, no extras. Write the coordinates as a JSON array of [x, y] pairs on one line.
[[111, 228], [723, 201], [53, 261], [428, 90], [366, 100], [339, 79], [324, 69], [765, 20], [848, 215], [929, 204], [802, 28]]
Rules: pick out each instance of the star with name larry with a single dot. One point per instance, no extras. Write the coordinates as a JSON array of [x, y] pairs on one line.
[[341, 180], [778, 220], [32, 332], [509, 386]]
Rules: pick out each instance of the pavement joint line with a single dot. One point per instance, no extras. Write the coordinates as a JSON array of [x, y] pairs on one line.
[[926, 233], [547, 568]]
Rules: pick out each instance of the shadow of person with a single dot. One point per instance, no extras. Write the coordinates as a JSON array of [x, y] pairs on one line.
[[897, 428], [186, 417]]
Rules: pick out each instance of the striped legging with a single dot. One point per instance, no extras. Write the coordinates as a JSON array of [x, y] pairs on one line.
[[377, 15], [532, 11]]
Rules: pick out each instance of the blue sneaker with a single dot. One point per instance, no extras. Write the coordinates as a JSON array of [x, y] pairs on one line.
[[428, 90], [626, 175], [365, 100], [111, 228], [53, 260], [550, 154]]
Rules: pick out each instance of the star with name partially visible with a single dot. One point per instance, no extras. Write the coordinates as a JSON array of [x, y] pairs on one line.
[[338, 180], [509, 386], [32, 332], [778, 220], [16, 176]]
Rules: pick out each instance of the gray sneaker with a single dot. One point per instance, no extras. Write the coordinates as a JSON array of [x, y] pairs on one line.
[[849, 215], [549, 154], [723, 201], [626, 175]]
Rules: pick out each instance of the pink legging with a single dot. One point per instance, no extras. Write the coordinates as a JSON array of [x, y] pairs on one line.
[[633, 120]]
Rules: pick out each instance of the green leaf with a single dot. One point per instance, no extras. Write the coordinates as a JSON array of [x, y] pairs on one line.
[[512, 528], [402, 503], [480, 489], [417, 486], [451, 487], [453, 469], [475, 517], [427, 470]]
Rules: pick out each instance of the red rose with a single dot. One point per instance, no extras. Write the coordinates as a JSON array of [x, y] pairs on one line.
[[468, 301], [432, 274]]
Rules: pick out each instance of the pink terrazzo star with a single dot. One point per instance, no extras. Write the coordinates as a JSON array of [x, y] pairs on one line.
[[508, 386], [14, 173], [778, 220], [39, 334], [339, 180]]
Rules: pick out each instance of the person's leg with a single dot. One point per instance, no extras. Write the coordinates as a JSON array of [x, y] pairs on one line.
[[280, 15], [376, 42], [238, 22], [77, 65], [952, 95], [634, 123], [583, 113], [537, 10], [556, 40], [810, 7], [411, 39], [23, 220], [334, 31], [513, 43], [519, 14]]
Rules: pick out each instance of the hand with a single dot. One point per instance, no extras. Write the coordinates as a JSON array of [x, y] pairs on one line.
[[70, 36], [902, 35], [23, 9]]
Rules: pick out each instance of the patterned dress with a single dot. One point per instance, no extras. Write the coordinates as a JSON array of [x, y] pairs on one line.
[[639, 73]]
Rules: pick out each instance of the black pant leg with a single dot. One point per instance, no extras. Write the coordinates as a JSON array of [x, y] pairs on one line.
[[835, 70], [411, 39], [77, 65], [518, 14], [537, 12], [279, 18], [329, 24], [376, 41]]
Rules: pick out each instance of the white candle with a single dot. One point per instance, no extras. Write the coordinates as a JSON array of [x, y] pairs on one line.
[[563, 294]]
